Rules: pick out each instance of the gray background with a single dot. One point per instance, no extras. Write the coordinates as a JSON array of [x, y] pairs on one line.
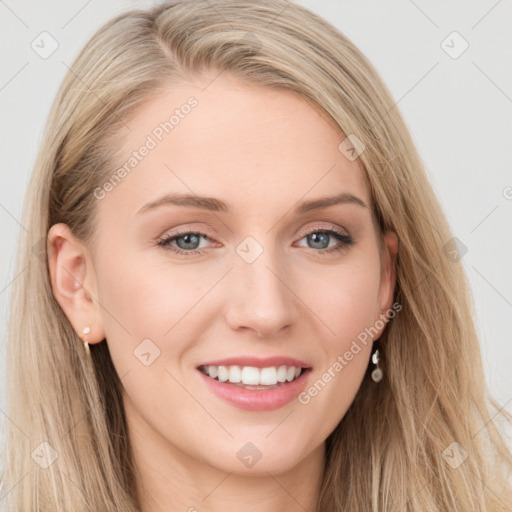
[[457, 109]]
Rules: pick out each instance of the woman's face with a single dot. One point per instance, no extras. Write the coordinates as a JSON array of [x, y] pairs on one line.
[[261, 258]]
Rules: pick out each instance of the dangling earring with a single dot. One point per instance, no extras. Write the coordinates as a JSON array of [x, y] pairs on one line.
[[377, 373], [86, 331]]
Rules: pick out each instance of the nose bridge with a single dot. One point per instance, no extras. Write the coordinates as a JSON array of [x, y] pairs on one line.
[[261, 298]]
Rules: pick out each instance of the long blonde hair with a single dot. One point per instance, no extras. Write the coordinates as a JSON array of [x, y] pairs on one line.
[[393, 449]]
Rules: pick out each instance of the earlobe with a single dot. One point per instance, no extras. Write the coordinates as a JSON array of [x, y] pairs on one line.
[[73, 281]]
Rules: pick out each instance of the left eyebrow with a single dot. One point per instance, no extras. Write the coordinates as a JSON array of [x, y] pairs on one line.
[[325, 202], [216, 205]]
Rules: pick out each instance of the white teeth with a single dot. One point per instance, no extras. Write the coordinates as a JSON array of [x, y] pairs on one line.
[[250, 375], [235, 374], [281, 374], [268, 376], [223, 374], [253, 376]]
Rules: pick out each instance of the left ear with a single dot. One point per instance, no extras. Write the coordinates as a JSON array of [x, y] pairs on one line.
[[388, 272]]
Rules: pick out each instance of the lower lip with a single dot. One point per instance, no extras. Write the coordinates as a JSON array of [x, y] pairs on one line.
[[258, 399]]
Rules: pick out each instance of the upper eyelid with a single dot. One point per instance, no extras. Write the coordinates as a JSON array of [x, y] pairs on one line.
[[326, 228]]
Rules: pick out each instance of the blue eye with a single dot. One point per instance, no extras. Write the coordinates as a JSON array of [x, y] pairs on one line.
[[189, 238], [188, 241], [321, 236]]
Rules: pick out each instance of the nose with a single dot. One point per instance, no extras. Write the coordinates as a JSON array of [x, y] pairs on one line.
[[260, 297]]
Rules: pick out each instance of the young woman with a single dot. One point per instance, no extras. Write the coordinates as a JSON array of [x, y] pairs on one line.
[[235, 290]]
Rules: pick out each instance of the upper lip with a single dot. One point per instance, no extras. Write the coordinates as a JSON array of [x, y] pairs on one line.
[[257, 362]]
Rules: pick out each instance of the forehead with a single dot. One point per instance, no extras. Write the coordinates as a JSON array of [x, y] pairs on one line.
[[248, 144]]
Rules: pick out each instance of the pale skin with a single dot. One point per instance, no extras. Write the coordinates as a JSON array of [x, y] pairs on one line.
[[261, 151]]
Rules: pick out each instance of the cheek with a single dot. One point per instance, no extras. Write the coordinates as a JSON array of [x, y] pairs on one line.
[[347, 302], [144, 314], [129, 304], [348, 309], [142, 301]]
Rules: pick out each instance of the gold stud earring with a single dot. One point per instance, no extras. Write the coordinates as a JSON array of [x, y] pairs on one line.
[[86, 331]]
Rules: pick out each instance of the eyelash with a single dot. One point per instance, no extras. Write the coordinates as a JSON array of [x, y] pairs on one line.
[[345, 240]]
